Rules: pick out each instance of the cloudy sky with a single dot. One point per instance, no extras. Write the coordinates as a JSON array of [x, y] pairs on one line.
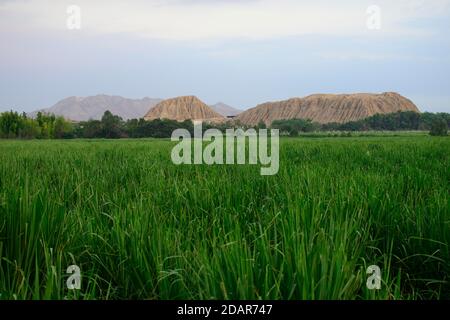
[[241, 52]]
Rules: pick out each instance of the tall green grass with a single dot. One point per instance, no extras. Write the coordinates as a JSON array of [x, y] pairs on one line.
[[140, 227]]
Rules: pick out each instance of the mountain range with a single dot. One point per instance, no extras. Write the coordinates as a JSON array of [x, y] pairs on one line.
[[93, 107], [225, 109], [321, 108]]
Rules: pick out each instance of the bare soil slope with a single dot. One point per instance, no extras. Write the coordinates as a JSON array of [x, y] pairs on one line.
[[326, 108], [183, 108]]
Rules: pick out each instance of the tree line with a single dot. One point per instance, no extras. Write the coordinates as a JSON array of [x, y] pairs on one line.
[[44, 126], [435, 123], [48, 126]]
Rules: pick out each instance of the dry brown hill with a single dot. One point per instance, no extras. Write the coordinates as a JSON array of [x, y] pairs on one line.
[[183, 108], [326, 108]]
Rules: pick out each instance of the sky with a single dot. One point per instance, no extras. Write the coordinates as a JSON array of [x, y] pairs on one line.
[[240, 52]]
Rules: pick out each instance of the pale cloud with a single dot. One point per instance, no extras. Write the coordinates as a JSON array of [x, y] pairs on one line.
[[201, 19], [350, 55]]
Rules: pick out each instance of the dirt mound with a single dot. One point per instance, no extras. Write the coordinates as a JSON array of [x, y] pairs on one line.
[[326, 108], [183, 108]]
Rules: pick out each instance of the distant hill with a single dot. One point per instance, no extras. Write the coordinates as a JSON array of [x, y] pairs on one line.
[[183, 108], [225, 109], [93, 107], [321, 108], [326, 108]]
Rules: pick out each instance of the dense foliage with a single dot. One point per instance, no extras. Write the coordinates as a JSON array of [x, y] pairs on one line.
[[44, 126], [439, 127], [13, 125], [392, 122], [295, 126]]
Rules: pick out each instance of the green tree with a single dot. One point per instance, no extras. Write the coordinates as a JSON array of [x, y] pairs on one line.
[[90, 129], [112, 126], [261, 125], [10, 124], [439, 127], [30, 129], [293, 127], [62, 128], [47, 124]]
